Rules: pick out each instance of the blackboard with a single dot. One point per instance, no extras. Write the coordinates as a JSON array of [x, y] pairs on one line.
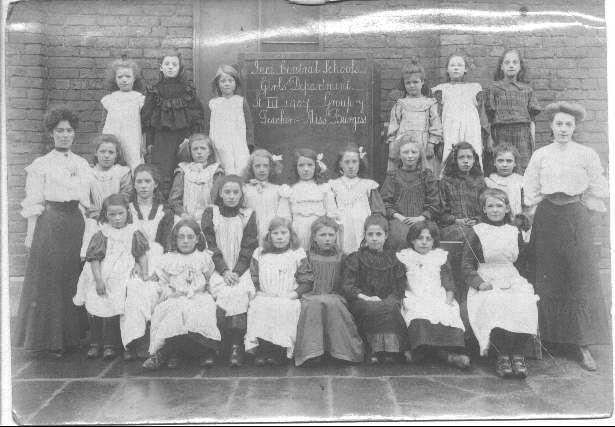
[[316, 100]]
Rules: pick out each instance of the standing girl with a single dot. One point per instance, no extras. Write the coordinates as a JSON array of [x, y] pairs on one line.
[[123, 108], [264, 197], [461, 103], [325, 324], [57, 185], [281, 274], [373, 283], [310, 197], [501, 303], [187, 311], [231, 236], [429, 307], [409, 193], [149, 216], [171, 113], [194, 178], [115, 253], [356, 196], [230, 128], [460, 188], [417, 114], [511, 107]]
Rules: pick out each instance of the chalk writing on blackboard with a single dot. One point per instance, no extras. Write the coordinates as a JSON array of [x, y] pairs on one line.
[[320, 92]]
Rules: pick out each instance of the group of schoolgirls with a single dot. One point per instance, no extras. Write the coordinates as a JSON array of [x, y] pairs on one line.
[[242, 262]]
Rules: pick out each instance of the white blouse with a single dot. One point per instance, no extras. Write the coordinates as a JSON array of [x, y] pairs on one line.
[[56, 177], [569, 168]]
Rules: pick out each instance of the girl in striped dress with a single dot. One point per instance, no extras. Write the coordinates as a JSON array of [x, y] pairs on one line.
[[281, 274]]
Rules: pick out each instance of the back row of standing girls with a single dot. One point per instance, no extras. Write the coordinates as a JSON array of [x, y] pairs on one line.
[[455, 113]]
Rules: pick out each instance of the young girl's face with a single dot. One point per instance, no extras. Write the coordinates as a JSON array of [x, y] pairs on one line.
[[456, 68], [145, 185], [186, 240], [231, 194], [465, 160], [505, 164], [227, 84], [117, 215], [375, 237], [424, 243], [413, 84], [170, 66], [280, 237], [511, 65], [125, 79], [306, 168], [495, 209], [410, 154], [106, 155], [350, 164], [261, 167], [325, 238], [199, 149]]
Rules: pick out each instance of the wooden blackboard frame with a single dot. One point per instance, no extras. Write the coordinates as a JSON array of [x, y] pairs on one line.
[[376, 162]]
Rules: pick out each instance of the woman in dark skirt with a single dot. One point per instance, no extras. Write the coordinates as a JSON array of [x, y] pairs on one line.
[[373, 282], [566, 181], [57, 189]]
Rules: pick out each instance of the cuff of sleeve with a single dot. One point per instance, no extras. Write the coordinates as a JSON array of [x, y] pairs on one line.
[[32, 211]]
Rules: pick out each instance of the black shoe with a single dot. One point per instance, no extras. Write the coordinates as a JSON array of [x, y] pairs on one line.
[[109, 353], [272, 361], [153, 363], [519, 367], [372, 358], [236, 357], [130, 354], [207, 361], [259, 361], [93, 351], [503, 367]]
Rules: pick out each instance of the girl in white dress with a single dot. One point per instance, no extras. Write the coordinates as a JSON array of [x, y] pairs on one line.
[[356, 197], [311, 196], [230, 234], [186, 311], [461, 103], [115, 253], [429, 307], [194, 178], [281, 274], [149, 215], [501, 303], [123, 108], [230, 126], [109, 176], [261, 195]]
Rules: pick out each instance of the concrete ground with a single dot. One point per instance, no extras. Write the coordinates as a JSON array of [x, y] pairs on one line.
[[76, 390]]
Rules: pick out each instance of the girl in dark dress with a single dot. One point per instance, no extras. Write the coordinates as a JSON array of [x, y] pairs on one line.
[[171, 113], [57, 189], [373, 283]]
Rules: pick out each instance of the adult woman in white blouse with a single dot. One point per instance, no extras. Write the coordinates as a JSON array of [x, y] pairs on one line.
[[566, 181], [57, 192]]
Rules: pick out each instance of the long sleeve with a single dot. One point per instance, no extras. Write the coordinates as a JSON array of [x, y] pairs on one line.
[[330, 205], [350, 277], [598, 186], [284, 202], [140, 244], [432, 198], [531, 181], [489, 103], [196, 111], [163, 232], [207, 226], [399, 272], [147, 110], [34, 203], [254, 273], [394, 120], [435, 125], [387, 193], [446, 277], [304, 277], [126, 185], [446, 217], [249, 125], [97, 247], [472, 250], [249, 242], [523, 259], [376, 205], [533, 106], [176, 195]]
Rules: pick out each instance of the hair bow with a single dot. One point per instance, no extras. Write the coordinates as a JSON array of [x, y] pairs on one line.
[[276, 157], [362, 152], [321, 164]]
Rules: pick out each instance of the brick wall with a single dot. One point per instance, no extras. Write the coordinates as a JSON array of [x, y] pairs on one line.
[[58, 51]]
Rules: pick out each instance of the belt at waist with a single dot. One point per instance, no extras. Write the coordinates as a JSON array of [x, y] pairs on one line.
[[72, 204], [561, 199]]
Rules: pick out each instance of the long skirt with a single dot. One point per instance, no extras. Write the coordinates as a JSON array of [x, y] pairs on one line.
[[381, 324], [422, 332], [47, 317], [519, 135], [572, 307], [164, 154], [326, 326]]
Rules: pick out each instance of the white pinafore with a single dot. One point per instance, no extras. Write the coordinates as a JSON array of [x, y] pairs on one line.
[[267, 201], [198, 182], [228, 133]]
